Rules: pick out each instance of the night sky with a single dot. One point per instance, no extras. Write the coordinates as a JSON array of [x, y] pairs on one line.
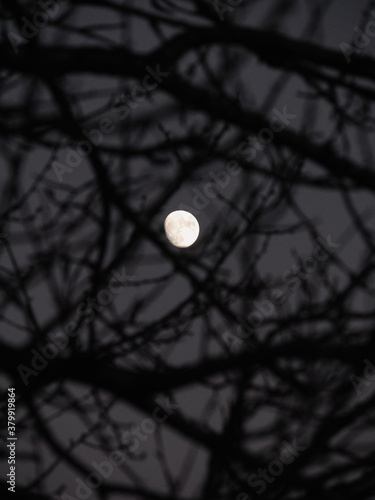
[[244, 365]]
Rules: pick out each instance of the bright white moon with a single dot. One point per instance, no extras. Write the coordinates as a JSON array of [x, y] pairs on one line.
[[181, 228]]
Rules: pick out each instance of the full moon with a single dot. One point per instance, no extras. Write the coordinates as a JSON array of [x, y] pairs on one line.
[[181, 228]]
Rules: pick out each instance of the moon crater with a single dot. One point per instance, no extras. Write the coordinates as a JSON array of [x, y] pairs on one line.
[[181, 228]]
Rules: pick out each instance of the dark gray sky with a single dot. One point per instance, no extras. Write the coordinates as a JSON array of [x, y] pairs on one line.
[[141, 183]]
